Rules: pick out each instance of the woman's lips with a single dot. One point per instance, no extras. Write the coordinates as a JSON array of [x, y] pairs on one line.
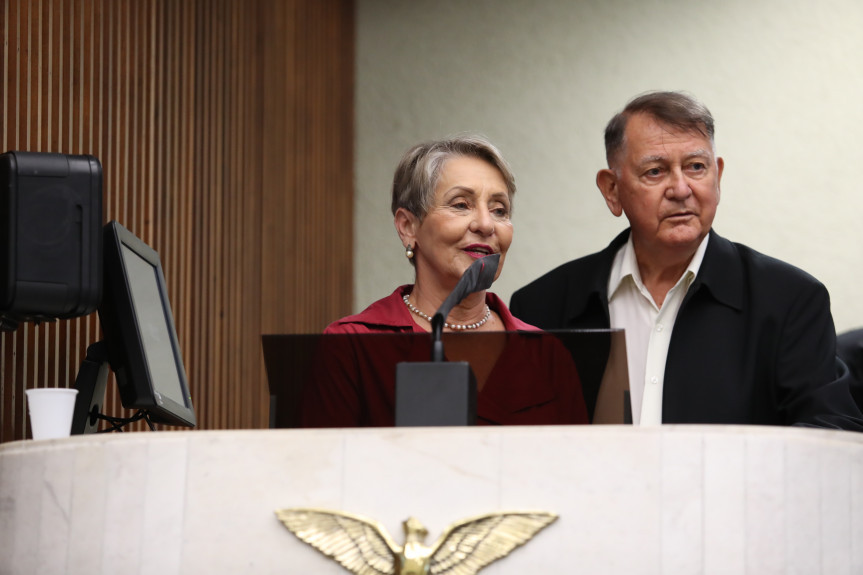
[[478, 252]]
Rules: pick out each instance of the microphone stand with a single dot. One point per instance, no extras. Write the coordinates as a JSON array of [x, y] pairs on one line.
[[437, 337]]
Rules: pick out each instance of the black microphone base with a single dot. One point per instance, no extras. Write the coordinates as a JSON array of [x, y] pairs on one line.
[[435, 394]]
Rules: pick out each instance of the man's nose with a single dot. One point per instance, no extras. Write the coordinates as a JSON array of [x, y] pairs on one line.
[[678, 185]]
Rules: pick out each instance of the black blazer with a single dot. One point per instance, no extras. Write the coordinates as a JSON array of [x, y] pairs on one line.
[[753, 342]]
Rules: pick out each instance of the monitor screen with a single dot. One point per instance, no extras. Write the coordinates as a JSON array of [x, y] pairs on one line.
[[140, 337]]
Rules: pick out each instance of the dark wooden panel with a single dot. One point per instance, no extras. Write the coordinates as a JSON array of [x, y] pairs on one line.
[[225, 131]]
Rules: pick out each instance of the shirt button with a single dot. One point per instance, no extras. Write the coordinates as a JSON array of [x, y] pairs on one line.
[[659, 327], [654, 379]]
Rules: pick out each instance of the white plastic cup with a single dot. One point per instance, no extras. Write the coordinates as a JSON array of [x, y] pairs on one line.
[[51, 410]]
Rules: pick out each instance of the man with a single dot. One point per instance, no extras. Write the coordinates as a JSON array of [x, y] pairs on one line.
[[715, 331]]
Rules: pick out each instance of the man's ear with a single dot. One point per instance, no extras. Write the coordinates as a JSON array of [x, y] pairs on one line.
[[406, 225], [606, 181], [720, 165]]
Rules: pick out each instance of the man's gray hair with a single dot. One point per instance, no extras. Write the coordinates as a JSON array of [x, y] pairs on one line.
[[676, 109]]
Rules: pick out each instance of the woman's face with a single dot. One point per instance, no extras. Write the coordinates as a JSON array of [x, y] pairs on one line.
[[469, 219]]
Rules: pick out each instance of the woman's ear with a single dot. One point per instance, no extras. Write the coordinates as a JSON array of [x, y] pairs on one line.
[[406, 225]]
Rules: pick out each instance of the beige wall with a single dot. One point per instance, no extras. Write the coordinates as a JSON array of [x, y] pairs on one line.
[[783, 78]]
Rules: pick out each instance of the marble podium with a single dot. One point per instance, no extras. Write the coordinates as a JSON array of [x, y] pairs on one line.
[[660, 500]]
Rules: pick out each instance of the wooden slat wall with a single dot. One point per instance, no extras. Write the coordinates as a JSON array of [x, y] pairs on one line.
[[225, 132]]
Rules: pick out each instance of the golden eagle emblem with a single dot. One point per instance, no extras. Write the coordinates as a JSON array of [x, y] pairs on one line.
[[364, 547]]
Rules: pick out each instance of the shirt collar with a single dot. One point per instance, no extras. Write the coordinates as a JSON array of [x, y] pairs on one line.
[[626, 266]]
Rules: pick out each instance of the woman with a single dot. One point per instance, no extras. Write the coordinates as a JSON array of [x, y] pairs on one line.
[[452, 204], [452, 201]]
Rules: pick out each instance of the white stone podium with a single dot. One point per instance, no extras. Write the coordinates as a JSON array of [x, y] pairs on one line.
[[660, 500]]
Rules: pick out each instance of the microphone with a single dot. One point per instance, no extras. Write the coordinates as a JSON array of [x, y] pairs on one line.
[[443, 392], [477, 277]]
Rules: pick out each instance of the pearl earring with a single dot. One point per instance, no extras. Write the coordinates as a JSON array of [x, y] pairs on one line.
[[409, 252]]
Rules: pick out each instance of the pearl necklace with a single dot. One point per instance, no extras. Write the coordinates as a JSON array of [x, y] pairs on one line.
[[456, 326]]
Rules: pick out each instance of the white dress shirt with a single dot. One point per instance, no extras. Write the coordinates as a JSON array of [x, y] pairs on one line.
[[647, 328]]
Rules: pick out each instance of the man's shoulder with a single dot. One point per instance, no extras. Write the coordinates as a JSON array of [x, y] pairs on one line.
[[762, 267], [583, 273], [571, 295], [736, 274], [564, 275]]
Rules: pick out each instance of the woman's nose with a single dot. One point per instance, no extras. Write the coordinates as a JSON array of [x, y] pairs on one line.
[[482, 222]]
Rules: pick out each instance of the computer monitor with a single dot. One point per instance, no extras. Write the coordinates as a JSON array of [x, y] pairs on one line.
[[140, 339]]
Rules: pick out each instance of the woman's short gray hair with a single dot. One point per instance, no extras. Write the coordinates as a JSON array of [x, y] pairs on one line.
[[418, 171]]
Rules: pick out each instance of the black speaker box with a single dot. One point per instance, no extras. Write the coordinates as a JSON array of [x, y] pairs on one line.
[[435, 394], [50, 236]]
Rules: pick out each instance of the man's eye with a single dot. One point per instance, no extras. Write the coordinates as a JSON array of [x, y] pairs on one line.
[[653, 172], [698, 166]]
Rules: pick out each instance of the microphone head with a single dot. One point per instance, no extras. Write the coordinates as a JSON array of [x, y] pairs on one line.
[[478, 277], [487, 270]]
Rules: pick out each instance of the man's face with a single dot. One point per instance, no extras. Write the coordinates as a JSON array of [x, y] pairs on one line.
[[666, 181]]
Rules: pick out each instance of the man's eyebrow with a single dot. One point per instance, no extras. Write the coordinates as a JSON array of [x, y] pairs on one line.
[[700, 153], [651, 159]]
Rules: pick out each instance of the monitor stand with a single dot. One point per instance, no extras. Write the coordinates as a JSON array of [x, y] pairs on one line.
[[91, 383]]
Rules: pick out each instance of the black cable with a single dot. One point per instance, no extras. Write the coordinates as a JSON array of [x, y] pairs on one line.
[[117, 423]]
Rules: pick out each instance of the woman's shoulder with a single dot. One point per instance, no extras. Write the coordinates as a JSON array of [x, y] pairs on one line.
[[387, 314]]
